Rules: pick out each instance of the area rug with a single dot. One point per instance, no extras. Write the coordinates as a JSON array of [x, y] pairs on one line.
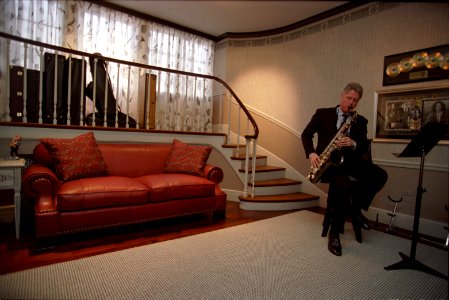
[[279, 258]]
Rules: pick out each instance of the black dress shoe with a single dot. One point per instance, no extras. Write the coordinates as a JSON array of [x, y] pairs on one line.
[[334, 245], [364, 222]]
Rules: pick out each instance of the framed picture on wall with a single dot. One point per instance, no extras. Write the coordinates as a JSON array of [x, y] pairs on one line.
[[400, 114], [418, 65]]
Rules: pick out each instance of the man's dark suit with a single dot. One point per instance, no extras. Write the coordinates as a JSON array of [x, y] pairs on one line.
[[341, 187], [324, 123]]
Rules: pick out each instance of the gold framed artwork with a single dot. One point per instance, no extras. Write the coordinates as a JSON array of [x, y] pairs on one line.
[[415, 66], [400, 114]]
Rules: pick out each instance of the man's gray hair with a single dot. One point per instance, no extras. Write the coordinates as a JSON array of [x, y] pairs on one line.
[[354, 86]]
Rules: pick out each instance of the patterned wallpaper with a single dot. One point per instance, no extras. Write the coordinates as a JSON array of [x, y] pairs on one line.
[[286, 77]]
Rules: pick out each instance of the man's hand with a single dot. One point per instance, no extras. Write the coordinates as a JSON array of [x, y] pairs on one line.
[[314, 160], [345, 142]]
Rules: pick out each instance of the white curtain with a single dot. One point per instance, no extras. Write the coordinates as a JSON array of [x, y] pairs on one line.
[[185, 103], [36, 20], [182, 103]]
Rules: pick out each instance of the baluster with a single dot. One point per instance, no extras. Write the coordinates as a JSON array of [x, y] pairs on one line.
[[220, 110], [127, 96], [8, 80], [195, 118], [245, 180], [117, 93], [229, 116], [254, 167], [55, 90], [95, 91], [238, 129], [138, 103], [167, 98], [158, 122], [82, 91], [175, 119], [25, 83], [41, 83], [169, 111], [185, 106], [106, 90], [147, 103], [247, 147], [211, 105], [203, 107], [69, 90]]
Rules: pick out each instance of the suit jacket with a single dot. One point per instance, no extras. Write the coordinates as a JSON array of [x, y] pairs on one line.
[[324, 124]]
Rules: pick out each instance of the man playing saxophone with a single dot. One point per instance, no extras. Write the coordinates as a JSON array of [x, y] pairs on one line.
[[353, 180]]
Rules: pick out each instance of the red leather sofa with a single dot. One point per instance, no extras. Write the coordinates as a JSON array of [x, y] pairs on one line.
[[135, 190]]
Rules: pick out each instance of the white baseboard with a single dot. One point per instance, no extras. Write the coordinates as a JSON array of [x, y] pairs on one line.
[[403, 221], [233, 195]]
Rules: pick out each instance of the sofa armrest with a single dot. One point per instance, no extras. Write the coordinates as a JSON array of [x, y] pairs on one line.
[[41, 184], [213, 173]]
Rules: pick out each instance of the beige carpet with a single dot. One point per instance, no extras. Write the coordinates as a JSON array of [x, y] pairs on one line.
[[279, 258]]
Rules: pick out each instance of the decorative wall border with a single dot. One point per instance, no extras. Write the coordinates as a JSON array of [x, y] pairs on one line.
[[349, 16]]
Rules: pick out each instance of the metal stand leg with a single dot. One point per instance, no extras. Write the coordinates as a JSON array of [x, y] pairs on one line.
[[411, 262], [447, 228], [393, 214]]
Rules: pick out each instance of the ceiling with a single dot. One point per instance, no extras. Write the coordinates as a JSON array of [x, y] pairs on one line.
[[216, 18]]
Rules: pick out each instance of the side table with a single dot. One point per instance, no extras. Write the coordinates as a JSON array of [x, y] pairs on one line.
[[11, 178]]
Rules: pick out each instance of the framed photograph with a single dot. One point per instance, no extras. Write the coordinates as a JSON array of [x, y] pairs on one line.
[[402, 113], [419, 65]]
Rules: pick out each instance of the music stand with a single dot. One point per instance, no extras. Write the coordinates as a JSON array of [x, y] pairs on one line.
[[419, 146]]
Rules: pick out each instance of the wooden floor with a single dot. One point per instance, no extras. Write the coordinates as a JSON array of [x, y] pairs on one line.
[[20, 255]]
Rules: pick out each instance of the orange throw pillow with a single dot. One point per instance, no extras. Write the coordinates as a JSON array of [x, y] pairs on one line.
[[186, 159], [76, 158]]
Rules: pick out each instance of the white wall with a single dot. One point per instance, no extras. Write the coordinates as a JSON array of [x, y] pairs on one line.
[[287, 77]]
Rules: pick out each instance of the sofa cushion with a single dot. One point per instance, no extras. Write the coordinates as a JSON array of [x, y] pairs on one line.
[[88, 193], [164, 187], [135, 160], [187, 159], [76, 158]]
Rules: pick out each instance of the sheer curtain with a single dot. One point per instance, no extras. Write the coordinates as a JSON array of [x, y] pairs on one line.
[[185, 103], [36, 20], [92, 28]]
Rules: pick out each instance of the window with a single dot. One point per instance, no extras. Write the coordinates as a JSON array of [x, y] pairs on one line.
[[92, 28]]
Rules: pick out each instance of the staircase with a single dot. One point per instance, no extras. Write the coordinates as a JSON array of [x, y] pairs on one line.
[[272, 191]]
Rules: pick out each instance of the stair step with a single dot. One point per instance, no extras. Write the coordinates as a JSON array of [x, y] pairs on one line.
[[243, 157], [293, 197], [260, 169], [233, 145], [275, 182]]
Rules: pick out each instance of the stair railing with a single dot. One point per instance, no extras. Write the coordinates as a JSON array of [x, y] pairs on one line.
[[251, 133]]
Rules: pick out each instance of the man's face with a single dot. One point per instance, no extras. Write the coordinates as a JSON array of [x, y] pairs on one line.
[[349, 101]]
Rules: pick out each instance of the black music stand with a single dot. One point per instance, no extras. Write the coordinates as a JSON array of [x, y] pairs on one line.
[[419, 146]]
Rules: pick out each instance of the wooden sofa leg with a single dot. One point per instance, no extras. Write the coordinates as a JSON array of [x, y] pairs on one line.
[[219, 214]]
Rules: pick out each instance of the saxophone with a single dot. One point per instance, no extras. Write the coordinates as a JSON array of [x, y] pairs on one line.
[[329, 155]]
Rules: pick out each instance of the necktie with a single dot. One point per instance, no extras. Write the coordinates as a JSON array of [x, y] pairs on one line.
[[341, 120]]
